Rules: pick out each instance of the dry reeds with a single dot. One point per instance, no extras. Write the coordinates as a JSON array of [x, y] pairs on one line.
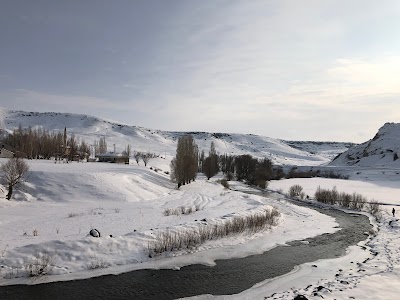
[[170, 240]]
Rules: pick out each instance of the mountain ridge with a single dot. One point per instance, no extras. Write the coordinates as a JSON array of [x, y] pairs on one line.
[[92, 128]]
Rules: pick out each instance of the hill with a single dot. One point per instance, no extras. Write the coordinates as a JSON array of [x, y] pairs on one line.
[[164, 142], [383, 150]]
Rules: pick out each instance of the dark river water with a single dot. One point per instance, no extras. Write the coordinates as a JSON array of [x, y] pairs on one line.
[[230, 276]]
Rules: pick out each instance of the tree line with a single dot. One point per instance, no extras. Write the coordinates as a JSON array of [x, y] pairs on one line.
[[40, 143], [188, 162]]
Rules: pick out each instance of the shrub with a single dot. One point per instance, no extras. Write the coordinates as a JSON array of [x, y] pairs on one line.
[[295, 190], [97, 263], [74, 214], [352, 201], [42, 264], [345, 199], [182, 210], [262, 183], [374, 208], [294, 173], [224, 183]]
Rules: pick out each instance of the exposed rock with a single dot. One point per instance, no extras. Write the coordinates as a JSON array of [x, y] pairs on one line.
[[300, 297], [94, 233]]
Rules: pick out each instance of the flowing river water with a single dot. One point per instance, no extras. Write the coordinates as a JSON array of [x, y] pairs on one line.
[[229, 276]]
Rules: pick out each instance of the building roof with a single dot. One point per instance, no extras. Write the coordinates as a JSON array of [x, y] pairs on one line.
[[7, 147], [112, 154]]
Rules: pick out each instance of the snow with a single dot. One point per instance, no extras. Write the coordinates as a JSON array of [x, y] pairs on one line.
[[164, 143], [127, 201], [372, 274], [63, 202], [382, 191], [360, 274], [381, 151]]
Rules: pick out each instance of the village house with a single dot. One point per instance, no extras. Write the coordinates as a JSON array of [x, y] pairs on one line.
[[7, 151], [113, 158]]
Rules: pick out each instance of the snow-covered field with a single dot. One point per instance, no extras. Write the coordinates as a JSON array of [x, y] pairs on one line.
[[62, 202], [59, 204], [359, 274], [54, 210]]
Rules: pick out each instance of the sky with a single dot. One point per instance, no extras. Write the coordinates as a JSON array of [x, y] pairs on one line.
[[298, 70]]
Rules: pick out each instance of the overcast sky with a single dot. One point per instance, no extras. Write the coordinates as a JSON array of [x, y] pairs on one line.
[[300, 70]]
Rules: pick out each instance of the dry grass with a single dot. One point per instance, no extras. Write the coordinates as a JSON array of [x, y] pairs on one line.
[[97, 263], [181, 210], [41, 264], [169, 240], [75, 214]]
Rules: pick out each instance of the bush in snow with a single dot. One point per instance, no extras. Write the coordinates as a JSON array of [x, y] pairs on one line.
[[74, 214], [295, 190], [97, 263], [262, 183], [182, 210], [41, 264], [351, 201], [224, 183], [374, 208]]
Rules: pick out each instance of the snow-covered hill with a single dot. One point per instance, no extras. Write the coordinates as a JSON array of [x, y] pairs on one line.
[[381, 151], [163, 142], [328, 150]]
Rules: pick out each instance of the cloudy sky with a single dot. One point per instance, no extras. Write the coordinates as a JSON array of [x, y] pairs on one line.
[[302, 70]]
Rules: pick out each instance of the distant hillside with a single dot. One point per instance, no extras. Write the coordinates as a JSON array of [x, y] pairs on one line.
[[164, 142], [328, 150], [381, 151]]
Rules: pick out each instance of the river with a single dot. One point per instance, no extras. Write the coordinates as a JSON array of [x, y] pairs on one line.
[[226, 277]]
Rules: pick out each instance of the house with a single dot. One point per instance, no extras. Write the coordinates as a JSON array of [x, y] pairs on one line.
[[113, 158], [7, 151]]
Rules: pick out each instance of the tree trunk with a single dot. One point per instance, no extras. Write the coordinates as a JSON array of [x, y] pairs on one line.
[[10, 190]]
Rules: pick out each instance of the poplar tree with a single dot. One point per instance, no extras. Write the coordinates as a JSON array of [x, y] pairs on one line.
[[184, 165], [210, 167]]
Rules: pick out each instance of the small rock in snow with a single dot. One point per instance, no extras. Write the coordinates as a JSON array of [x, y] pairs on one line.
[[94, 233]]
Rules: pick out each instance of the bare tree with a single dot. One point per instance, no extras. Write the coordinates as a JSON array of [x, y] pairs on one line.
[[147, 156], [137, 155], [13, 171]]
